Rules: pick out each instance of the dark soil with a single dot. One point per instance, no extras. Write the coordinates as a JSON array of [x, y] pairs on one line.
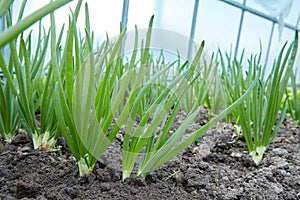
[[217, 168]]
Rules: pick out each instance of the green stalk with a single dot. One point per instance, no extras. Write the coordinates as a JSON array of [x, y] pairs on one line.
[[170, 149], [258, 114], [9, 117], [293, 98], [4, 6], [13, 31]]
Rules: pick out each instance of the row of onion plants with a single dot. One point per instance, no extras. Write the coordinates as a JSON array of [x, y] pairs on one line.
[[88, 93]]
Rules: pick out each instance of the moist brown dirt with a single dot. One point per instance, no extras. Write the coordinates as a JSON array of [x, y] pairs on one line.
[[219, 167]]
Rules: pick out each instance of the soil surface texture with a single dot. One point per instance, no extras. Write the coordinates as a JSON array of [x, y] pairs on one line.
[[219, 167]]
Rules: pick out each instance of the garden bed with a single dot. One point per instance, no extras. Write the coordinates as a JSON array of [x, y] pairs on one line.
[[219, 167]]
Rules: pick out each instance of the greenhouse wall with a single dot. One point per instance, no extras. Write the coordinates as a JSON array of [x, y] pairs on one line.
[[229, 25]]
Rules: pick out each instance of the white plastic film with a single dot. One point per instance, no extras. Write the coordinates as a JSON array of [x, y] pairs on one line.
[[277, 8]]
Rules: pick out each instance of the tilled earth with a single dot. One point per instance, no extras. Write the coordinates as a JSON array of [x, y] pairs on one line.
[[219, 167]]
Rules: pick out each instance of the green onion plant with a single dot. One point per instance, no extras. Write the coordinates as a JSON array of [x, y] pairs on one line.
[[28, 80], [9, 116], [151, 134], [231, 73], [215, 99], [258, 114], [35, 92], [87, 94], [293, 99]]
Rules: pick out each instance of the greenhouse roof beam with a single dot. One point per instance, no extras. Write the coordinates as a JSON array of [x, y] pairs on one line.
[[258, 13]]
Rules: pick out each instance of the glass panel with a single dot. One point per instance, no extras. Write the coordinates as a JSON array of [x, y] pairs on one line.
[[294, 14], [255, 31], [139, 13], [167, 14], [218, 25], [176, 16], [217, 22]]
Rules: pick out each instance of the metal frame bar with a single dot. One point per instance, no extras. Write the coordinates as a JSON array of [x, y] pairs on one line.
[[240, 30], [124, 19], [193, 27], [274, 20], [258, 13]]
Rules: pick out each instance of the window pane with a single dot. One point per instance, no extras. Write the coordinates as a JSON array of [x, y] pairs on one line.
[[217, 25]]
